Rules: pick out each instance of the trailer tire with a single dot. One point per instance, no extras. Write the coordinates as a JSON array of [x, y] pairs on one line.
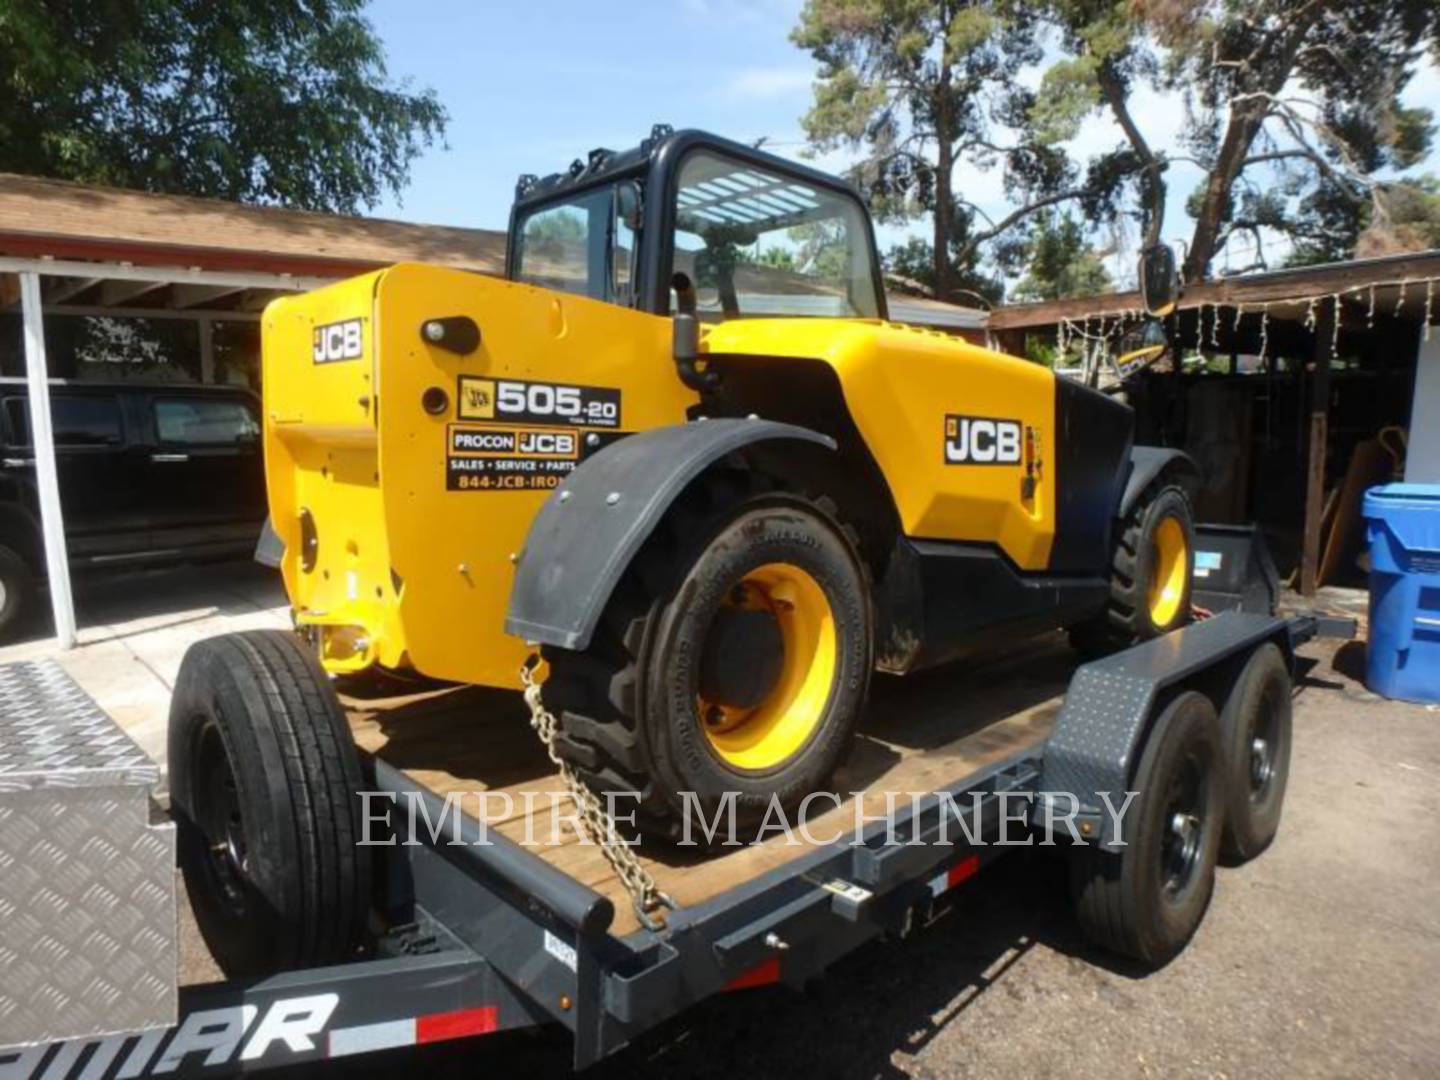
[[264, 782], [1256, 725], [17, 585], [1146, 900], [1151, 573], [630, 705]]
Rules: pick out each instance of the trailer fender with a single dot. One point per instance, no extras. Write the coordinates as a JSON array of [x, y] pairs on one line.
[[1090, 758], [586, 533], [1148, 462]]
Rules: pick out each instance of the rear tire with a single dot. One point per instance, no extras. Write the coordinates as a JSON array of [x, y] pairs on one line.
[[1256, 726], [1151, 574], [17, 585], [1146, 901], [263, 787], [633, 717]]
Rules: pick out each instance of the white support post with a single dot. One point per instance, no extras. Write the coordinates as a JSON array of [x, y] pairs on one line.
[[47, 479]]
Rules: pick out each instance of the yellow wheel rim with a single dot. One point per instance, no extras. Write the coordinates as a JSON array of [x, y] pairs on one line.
[[1171, 568], [767, 735]]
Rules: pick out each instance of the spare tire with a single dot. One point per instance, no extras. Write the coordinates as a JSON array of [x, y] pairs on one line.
[[264, 783]]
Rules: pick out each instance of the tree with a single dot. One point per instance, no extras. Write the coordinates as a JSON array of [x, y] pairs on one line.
[[1308, 88], [271, 101], [923, 86], [1060, 263]]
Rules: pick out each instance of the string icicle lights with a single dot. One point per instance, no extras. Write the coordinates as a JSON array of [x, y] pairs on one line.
[[1310, 314], [1335, 330], [1429, 302], [1400, 302], [1264, 332], [1370, 315]]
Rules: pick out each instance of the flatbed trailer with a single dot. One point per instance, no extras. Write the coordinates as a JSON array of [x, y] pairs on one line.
[[478, 933]]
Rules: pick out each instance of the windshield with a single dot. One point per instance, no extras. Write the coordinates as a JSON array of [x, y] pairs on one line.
[[754, 242]]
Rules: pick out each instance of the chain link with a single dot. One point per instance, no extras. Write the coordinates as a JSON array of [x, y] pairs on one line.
[[599, 826]]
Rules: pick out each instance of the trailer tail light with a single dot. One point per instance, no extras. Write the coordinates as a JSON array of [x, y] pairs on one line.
[[415, 1031], [961, 871], [762, 974]]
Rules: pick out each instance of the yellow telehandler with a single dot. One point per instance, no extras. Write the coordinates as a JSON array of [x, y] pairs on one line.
[[682, 453]]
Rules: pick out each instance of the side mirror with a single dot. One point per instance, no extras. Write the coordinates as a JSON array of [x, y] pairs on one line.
[[1159, 280]]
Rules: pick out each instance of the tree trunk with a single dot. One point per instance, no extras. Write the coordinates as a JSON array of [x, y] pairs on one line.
[[944, 210], [1244, 125], [1239, 134]]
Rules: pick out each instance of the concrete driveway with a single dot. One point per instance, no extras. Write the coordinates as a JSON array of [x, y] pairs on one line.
[[134, 629]]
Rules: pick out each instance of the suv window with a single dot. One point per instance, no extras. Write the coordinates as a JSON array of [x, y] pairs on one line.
[[78, 419], [199, 422]]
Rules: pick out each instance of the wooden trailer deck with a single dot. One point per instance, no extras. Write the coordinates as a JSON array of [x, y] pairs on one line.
[[920, 733]]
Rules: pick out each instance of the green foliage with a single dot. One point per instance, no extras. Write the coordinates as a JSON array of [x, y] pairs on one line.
[[1060, 263], [921, 86], [1278, 92], [913, 264], [272, 101]]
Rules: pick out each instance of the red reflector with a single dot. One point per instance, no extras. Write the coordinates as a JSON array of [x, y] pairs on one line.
[[960, 871], [762, 974], [456, 1025]]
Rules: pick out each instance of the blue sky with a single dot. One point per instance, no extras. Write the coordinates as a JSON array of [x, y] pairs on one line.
[[532, 85]]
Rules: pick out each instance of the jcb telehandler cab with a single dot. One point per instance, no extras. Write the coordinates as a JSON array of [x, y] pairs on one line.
[[683, 452]]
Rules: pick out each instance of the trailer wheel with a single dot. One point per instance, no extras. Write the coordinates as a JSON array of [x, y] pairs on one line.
[[734, 657], [1256, 727], [16, 587], [1151, 573], [1146, 900], [263, 787]]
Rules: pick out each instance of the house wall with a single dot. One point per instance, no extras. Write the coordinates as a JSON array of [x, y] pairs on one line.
[[1422, 463]]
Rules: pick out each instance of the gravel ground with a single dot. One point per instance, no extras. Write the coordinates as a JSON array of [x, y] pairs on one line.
[[1320, 958]]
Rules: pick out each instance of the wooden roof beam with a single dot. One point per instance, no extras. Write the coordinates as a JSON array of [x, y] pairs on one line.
[[115, 293], [192, 296]]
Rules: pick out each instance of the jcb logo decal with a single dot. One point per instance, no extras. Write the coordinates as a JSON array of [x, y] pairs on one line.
[[981, 440], [339, 341], [477, 399]]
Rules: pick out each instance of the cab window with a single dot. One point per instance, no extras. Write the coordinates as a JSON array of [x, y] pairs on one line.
[[584, 244], [756, 242]]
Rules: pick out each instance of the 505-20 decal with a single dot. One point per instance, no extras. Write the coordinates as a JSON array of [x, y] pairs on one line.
[[529, 402]]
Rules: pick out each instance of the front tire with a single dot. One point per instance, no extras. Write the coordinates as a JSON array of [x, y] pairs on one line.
[[264, 782], [734, 657], [1151, 574]]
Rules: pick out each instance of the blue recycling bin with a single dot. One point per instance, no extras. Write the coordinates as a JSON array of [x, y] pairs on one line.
[[1403, 525]]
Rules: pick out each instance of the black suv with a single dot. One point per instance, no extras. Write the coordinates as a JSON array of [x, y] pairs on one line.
[[149, 474]]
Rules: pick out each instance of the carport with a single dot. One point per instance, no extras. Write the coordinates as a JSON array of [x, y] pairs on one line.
[[194, 273]]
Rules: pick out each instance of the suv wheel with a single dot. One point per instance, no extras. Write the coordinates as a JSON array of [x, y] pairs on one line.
[[16, 587]]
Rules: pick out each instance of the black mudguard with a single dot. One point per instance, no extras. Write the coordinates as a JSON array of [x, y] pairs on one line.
[[593, 524], [1148, 462], [1109, 705]]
